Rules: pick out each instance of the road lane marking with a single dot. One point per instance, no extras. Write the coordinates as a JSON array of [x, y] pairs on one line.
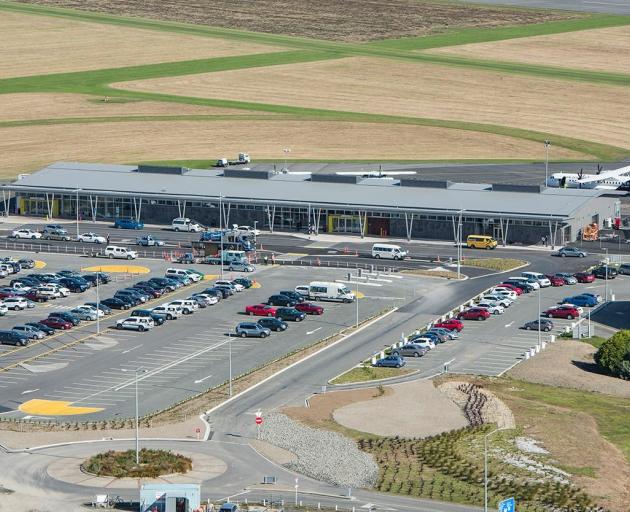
[[131, 349], [315, 330], [198, 381], [26, 392]]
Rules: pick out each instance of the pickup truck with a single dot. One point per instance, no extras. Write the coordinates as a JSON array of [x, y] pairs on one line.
[[149, 241]]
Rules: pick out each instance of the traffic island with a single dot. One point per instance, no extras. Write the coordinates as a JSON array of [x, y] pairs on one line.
[[152, 463]]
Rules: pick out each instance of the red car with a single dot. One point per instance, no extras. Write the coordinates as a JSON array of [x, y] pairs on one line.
[[309, 308], [452, 324], [35, 296], [474, 314], [260, 310], [555, 280], [56, 323], [585, 277], [509, 286], [564, 311], [5, 295]]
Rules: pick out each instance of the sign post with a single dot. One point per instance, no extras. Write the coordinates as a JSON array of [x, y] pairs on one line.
[[508, 505], [296, 492], [259, 421], [198, 431]]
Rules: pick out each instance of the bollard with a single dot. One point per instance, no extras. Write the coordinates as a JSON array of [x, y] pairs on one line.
[[300, 503], [373, 361], [543, 345], [382, 354], [527, 356], [552, 338], [532, 352], [612, 297], [319, 506], [537, 348]]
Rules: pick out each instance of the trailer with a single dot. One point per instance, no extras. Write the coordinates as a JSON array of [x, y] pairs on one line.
[[243, 158]]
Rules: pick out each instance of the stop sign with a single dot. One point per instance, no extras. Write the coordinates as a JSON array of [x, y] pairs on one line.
[[259, 420]]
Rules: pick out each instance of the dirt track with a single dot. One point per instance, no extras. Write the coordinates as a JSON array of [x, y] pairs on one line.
[[347, 20]]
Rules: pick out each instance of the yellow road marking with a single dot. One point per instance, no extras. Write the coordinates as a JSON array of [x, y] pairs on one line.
[[40, 264], [129, 269], [41, 407], [360, 295], [256, 284], [209, 277]]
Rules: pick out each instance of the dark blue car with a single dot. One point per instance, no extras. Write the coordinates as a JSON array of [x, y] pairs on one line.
[[391, 362], [581, 300], [210, 236], [128, 224]]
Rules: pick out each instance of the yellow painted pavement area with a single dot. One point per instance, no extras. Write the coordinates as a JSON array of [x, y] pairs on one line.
[[40, 264], [127, 269], [41, 407]]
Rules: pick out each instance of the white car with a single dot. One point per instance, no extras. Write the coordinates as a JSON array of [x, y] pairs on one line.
[[187, 306], [170, 312], [93, 238], [21, 287], [26, 233], [495, 297], [3, 272], [505, 292], [18, 303], [114, 251], [136, 323], [54, 290], [92, 310], [492, 307], [237, 286], [3, 309], [423, 342], [211, 300], [248, 230], [7, 269], [543, 281]]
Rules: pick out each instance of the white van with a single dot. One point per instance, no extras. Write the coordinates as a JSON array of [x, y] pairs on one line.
[[387, 251], [538, 277], [319, 290], [182, 272], [114, 251], [185, 224]]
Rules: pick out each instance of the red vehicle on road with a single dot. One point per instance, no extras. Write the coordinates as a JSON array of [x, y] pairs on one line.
[[555, 280], [564, 311], [452, 324], [309, 308], [585, 277], [474, 314], [56, 323], [509, 286], [260, 310]]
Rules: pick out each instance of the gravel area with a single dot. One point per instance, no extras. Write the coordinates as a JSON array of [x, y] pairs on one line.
[[321, 454], [569, 364]]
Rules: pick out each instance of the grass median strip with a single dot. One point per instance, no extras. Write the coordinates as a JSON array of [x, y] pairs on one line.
[[368, 373], [499, 264]]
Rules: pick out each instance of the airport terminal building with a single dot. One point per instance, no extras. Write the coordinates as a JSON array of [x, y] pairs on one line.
[[381, 206]]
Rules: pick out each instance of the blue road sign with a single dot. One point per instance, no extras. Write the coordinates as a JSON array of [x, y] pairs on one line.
[[508, 505]]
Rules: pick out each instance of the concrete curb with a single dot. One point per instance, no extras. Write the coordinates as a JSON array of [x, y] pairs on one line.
[[94, 441]]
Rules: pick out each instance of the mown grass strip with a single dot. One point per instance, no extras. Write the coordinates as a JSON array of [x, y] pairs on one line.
[[458, 37]]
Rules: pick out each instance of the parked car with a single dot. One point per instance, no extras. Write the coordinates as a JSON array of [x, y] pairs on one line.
[[30, 332], [247, 283], [158, 319], [188, 306], [114, 251], [585, 277], [16, 303], [116, 303], [390, 362], [452, 335], [543, 323], [281, 300], [260, 310], [170, 312], [580, 300], [524, 286], [567, 278], [26, 263], [492, 307], [234, 286], [136, 323], [505, 293], [106, 310], [570, 251], [249, 329], [225, 289], [167, 284], [92, 238], [597, 297], [209, 300], [432, 336], [214, 292], [69, 317], [149, 241], [97, 313], [624, 269], [474, 313], [601, 271], [48, 331], [499, 299], [26, 233], [73, 284], [410, 349], [274, 324], [564, 311], [555, 280], [506, 286], [293, 295], [309, 308], [290, 314], [56, 234], [537, 277], [36, 295], [128, 224], [452, 324], [56, 323], [422, 341], [13, 338], [240, 266], [84, 314]]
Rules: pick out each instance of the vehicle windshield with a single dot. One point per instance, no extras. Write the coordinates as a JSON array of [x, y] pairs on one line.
[[345, 291]]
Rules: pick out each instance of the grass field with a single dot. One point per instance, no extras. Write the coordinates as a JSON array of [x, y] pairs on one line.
[[393, 87], [39, 45], [596, 50]]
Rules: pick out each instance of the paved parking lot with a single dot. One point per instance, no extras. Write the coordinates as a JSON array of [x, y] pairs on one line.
[[80, 371], [493, 346]]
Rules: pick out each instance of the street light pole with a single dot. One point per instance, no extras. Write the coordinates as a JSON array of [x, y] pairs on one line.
[[286, 152], [547, 144], [459, 244], [255, 223], [485, 467], [606, 277], [221, 232], [230, 364], [356, 298], [539, 314], [77, 208], [98, 321]]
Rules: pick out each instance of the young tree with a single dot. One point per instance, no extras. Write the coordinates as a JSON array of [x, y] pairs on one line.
[[614, 355]]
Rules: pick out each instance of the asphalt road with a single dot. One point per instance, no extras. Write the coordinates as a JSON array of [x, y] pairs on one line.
[[607, 6]]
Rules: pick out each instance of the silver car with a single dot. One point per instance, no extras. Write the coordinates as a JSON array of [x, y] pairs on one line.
[[83, 314], [410, 349], [252, 330], [30, 331]]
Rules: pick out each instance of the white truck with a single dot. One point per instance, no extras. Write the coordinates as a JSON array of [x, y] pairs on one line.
[[322, 290], [243, 158]]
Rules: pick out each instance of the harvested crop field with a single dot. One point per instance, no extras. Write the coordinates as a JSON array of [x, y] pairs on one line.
[[585, 111], [347, 20], [30, 106], [38, 45], [597, 50], [29, 147]]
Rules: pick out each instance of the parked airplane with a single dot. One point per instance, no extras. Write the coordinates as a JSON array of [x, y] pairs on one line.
[[609, 180]]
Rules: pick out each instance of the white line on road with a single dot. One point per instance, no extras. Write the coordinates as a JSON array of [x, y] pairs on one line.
[[510, 324], [314, 330], [26, 392], [199, 381], [133, 348]]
